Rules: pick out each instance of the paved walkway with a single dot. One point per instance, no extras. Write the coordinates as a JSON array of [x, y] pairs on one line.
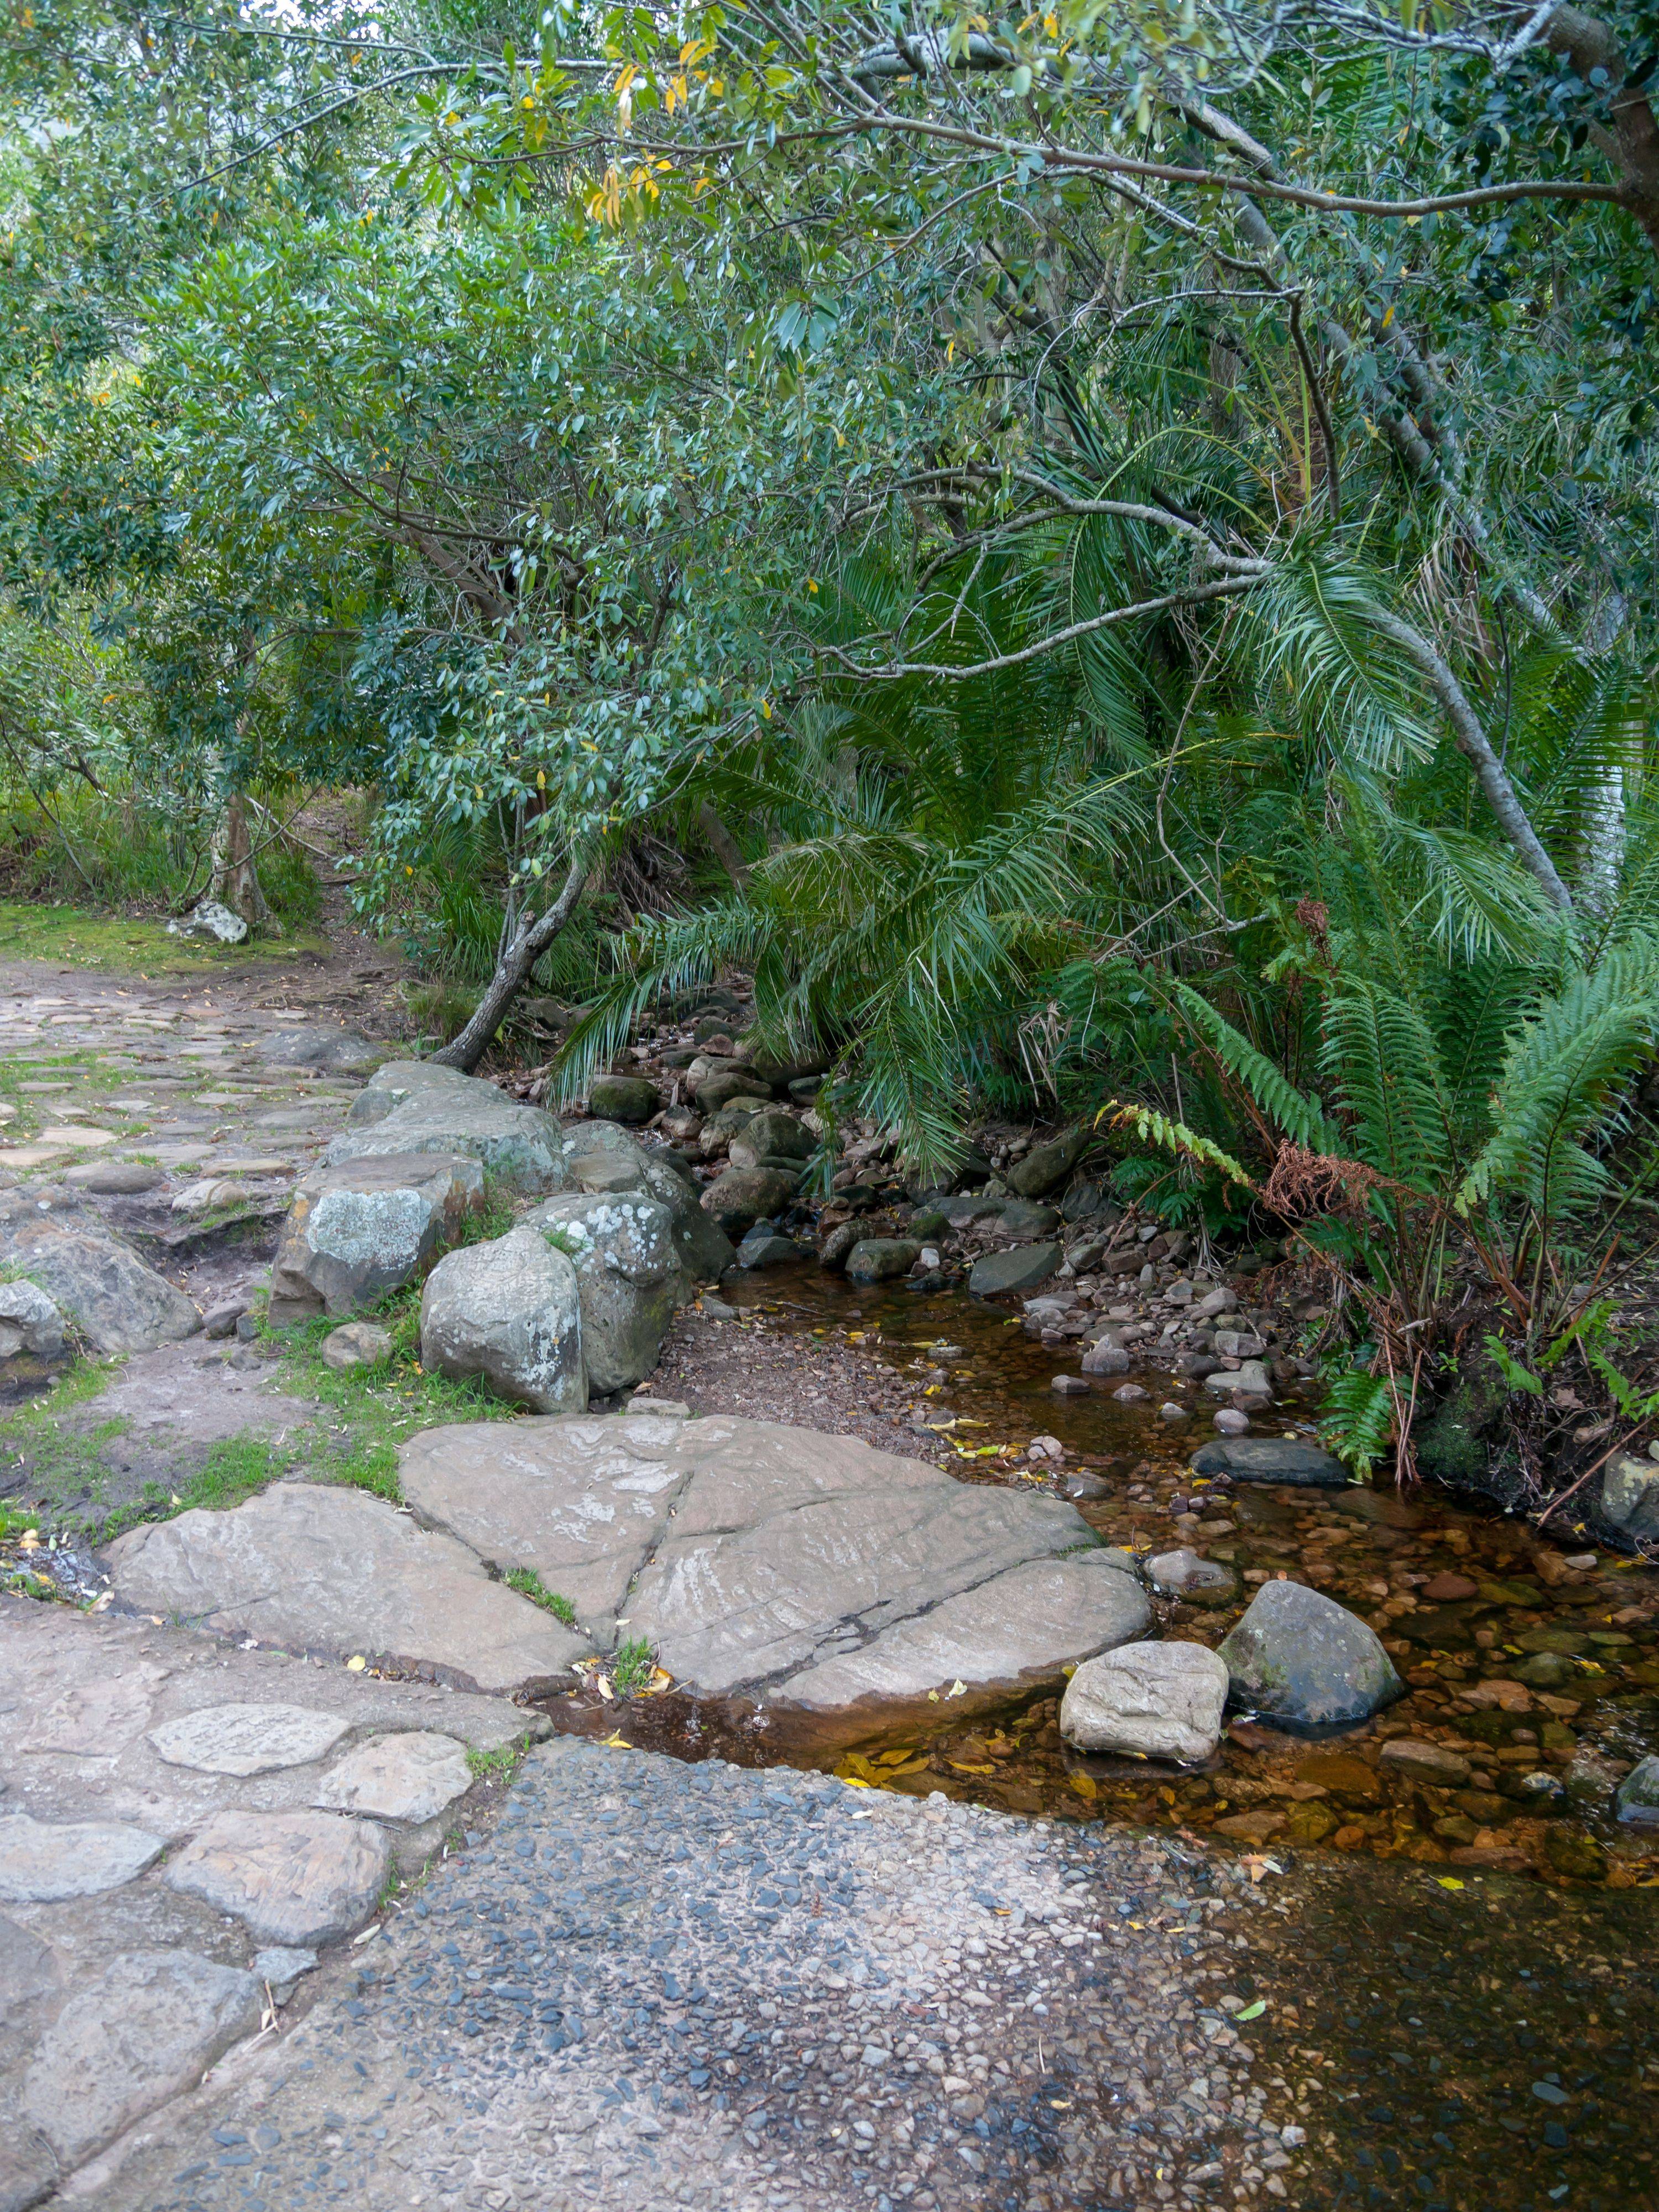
[[654, 1983]]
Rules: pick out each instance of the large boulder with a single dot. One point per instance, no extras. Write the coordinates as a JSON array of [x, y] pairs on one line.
[[1153, 1700], [1045, 1167], [623, 1098], [722, 1085], [313, 1569], [600, 1156], [1630, 1495], [771, 1138], [621, 1246], [93, 1278], [415, 1106], [832, 1585], [743, 1196], [30, 1322], [511, 1311], [368, 1226], [1305, 1663]]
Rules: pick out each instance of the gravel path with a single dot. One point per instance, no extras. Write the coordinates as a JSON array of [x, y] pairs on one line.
[[654, 1983]]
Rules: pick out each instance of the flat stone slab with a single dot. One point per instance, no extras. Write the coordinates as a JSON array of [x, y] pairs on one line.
[[810, 1573], [118, 1304], [412, 1106], [398, 1777], [247, 1739], [295, 1878], [1022, 1268], [42, 1861], [318, 1569], [149, 2027], [1270, 1459]]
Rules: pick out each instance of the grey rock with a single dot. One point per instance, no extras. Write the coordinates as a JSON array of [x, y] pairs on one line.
[[334, 1571], [762, 1249], [1218, 1301], [210, 918], [356, 1344], [42, 1861], [1251, 1379], [743, 1196], [770, 1134], [28, 1970], [410, 1777], [1045, 1167], [246, 1738], [605, 1159], [510, 1311], [1182, 1573], [220, 1321], [340, 1051], [1630, 1494], [93, 1278], [963, 1212], [1306, 1663], [366, 1226], [1238, 1344], [281, 1964], [115, 1178], [25, 1308], [1020, 1219], [879, 1259], [1083, 1258], [628, 1098], [1105, 1357], [838, 1244], [292, 1877], [1637, 1798], [1231, 1422], [1086, 1489], [146, 2029], [746, 1553], [1069, 1386], [415, 1107], [1290, 1460], [1156, 1700], [721, 1087], [669, 1408], [208, 1195], [628, 1278], [1023, 1268]]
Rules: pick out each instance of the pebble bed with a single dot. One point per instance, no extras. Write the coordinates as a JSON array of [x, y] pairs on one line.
[[651, 1983]]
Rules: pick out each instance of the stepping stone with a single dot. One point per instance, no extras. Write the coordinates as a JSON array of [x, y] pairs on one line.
[[292, 1877], [366, 1226], [147, 2028], [42, 1861], [30, 1156], [258, 1166], [315, 1569], [1272, 1459], [247, 1739], [1021, 1269], [410, 1776], [78, 1134]]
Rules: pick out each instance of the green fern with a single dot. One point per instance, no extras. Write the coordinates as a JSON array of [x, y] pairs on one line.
[[1358, 1421]]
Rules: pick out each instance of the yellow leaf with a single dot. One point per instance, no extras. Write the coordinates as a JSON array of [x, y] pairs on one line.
[[957, 1689], [1084, 1785], [1448, 1881], [604, 1689], [618, 1741], [356, 1664], [965, 1766], [895, 1758]]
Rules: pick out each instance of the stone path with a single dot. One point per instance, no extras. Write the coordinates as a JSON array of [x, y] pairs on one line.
[[172, 1808], [652, 1984]]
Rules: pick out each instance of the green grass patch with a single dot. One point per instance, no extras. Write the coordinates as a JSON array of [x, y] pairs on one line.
[[499, 1766], [529, 1583], [81, 937], [633, 1667]]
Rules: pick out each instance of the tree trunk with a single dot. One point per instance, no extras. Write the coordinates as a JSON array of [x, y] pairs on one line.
[[528, 942], [234, 881], [723, 845]]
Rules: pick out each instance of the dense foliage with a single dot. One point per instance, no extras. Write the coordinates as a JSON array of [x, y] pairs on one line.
[[1117, 551]]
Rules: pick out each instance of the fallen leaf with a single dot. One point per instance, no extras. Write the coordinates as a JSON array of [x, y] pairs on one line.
[[356, 1663], [1084, 1785], [1251, 2012], [957, 1689], [618, 1741], [1448, 1881], [962, 1766], [604, 1689]]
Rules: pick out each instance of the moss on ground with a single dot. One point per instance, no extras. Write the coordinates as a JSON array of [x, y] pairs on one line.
[[81, 937]]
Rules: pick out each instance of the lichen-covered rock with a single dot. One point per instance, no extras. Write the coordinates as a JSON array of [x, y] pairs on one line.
[[414, 1106], [624, 1164], [366, 1226], [880, 1259], [1304, 1662], [510, 1311], [1630, 1494], [628, 1275]]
